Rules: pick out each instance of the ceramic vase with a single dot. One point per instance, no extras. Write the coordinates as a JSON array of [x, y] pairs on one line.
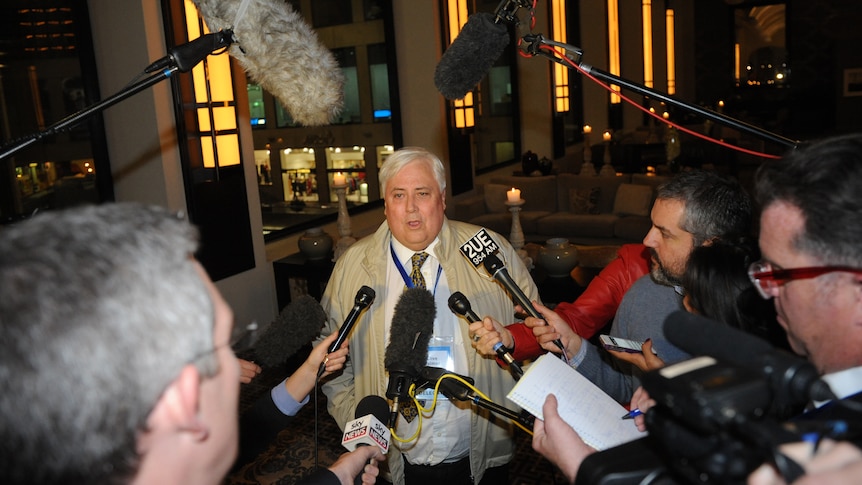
[[558, 257], [315, 244]]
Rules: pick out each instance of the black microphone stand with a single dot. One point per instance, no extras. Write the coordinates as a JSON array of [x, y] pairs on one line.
[[533, 43], [181, 58]]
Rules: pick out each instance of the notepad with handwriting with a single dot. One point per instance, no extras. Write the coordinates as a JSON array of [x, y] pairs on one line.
[[583, 405]]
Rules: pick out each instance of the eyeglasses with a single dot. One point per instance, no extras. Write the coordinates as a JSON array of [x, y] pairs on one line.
[[242, 340], [767, 280]]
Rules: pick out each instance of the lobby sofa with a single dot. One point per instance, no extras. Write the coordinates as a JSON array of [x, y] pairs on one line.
[[587, 210]]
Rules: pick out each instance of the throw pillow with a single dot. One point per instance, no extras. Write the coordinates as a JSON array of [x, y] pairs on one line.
[[633, 200], [495, 197], [584, 201]]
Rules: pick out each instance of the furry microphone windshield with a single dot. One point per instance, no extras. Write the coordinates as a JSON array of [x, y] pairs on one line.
[[282, 54], [470, 56], [297, 325]]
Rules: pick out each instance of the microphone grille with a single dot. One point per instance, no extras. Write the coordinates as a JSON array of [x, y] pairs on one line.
[[374, 405]]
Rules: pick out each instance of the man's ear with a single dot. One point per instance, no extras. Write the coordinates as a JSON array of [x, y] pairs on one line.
[[177, 408]]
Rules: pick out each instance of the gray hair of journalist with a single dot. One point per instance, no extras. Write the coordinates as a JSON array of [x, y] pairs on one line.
[[407, 155], [100, 309], [715, 207], [824, 180]]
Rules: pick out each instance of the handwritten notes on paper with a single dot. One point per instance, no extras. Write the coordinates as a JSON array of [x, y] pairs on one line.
[[583, 405]]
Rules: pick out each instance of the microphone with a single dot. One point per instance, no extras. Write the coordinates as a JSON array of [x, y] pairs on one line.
[[297, 325], [460, 305], [454, 389], [186, 56], [364, 297], [471, 55], [496, 268], [793, 380], [282, 53], [368, 428], [407, 352]]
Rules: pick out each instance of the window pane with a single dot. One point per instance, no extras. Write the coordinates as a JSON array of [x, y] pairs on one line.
[[346, 58], [326, 13], [255, 105], [379, 70]]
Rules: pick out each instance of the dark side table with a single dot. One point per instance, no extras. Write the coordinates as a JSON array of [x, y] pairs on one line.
[[554, 289], [314, 272]]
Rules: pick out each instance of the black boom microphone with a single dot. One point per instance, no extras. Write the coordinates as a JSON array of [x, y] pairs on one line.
[[793, 380], [407, 352], [460, 305], [471, 55]]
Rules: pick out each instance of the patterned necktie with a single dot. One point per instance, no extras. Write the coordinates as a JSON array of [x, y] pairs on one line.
[[418, 260], [408, 407]]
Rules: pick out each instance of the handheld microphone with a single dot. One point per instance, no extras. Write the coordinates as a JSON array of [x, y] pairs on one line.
[[496, 268], [460, 305], [364, 297], [454, 389], [793, 380], [297, 325], [368, 428], [471, 55], [282, 53], [407, 352]]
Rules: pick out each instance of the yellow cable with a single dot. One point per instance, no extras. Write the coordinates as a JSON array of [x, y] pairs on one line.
[[434, 404]]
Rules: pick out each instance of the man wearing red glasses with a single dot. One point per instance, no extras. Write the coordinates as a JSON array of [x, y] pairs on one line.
[[812, 267]]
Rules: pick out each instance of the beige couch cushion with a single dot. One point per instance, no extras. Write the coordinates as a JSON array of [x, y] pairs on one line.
[[539, 193], [584, 201], [607, 188], [633, 200], [495, 197]]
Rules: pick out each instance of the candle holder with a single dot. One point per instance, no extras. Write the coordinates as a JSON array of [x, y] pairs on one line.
[[588, 167], [343, 223], [516, 236], [608, 169]]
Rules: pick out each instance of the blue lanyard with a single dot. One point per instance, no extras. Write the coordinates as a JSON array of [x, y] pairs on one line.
[[407, 280]]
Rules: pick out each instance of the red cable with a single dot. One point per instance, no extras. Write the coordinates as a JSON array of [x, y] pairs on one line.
[[654, 115]]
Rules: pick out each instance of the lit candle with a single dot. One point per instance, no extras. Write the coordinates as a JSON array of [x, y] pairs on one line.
[[588, 129], [514, 195], [720, 105], [665, 115], [606, 136], [339, 179]]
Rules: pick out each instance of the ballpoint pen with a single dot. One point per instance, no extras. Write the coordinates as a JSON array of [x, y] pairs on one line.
[[632, 414]]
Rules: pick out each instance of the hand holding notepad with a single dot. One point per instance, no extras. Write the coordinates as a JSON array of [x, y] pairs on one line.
[[581, 404]]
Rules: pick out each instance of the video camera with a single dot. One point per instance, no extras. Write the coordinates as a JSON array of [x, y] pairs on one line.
[[717, 417]]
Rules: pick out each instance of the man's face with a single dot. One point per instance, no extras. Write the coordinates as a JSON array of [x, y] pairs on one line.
[[669, 244], [414, 206], [821, 315], [219, 401]]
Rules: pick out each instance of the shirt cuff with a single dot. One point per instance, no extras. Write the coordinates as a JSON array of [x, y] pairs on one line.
[[284, 401], [575, 360]]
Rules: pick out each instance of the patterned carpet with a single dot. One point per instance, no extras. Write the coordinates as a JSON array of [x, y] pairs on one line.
[[292, 454]]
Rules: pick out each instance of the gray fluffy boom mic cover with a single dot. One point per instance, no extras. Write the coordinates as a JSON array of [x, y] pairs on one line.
[[410, 331], [282, 53], [297, 325], [471, 55]]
